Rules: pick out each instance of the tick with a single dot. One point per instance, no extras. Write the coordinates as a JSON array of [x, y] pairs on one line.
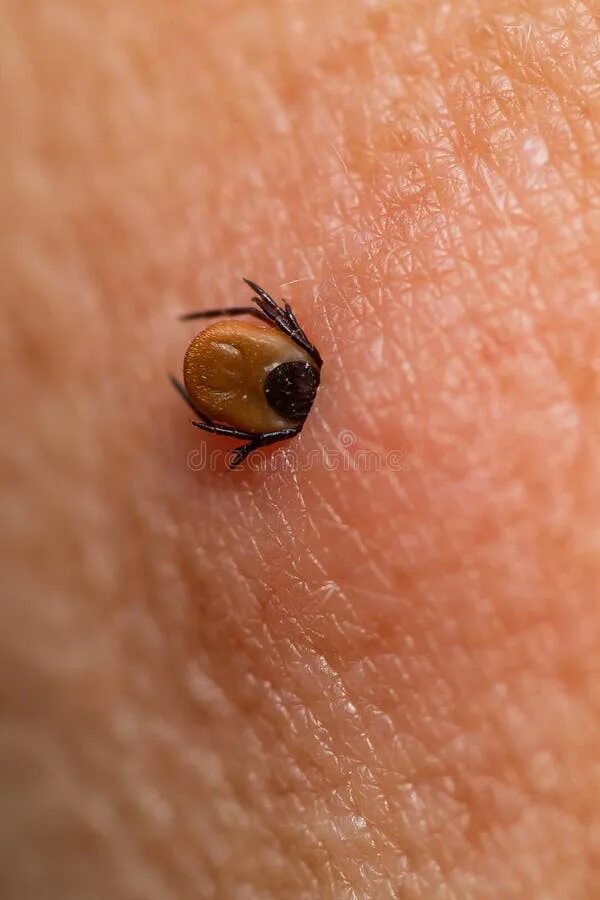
[[251, 381]]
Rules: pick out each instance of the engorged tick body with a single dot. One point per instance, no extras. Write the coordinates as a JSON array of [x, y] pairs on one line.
[[252, 381]]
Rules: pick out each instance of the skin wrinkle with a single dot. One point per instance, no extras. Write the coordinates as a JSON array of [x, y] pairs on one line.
[[213, 612]]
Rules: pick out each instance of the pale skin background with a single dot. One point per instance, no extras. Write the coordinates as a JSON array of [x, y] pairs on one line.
[[313, 684]]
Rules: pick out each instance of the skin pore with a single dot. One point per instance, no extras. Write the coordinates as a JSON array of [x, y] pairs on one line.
[[369, 681]]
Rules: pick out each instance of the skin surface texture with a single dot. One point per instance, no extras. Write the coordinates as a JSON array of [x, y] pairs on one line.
[[369, 666]]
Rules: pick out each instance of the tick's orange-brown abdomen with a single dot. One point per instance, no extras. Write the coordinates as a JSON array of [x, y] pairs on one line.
[[225, 368]]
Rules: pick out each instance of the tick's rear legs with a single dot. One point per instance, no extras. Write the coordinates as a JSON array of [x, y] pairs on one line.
[[183, 393], [261, 440], [207, 424]]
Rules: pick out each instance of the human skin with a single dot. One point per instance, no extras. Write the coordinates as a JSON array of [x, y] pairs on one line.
[[302, 682]]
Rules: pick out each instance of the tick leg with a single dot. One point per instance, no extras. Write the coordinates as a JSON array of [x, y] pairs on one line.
[[271, 309], [253, 441], [225, 311], [183, 393], [269, 304], [261, 440], [207, 424], [282, 317], [225, 430]]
